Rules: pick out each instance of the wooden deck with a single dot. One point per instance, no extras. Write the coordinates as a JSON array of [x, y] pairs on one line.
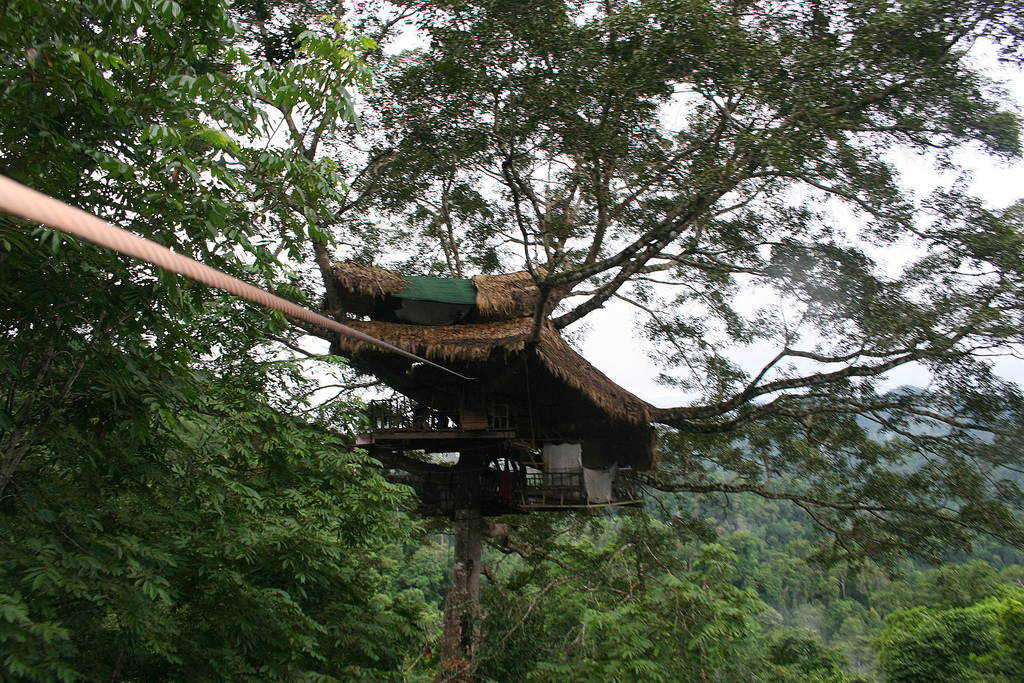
[[427, 439]]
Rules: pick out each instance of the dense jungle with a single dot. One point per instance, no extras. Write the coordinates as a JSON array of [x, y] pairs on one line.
[[181, 495]]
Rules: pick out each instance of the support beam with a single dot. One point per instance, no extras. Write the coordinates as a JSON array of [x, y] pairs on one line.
[[462, 630]]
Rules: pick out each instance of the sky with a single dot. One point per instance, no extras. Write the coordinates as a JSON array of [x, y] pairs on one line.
[[611, 345]]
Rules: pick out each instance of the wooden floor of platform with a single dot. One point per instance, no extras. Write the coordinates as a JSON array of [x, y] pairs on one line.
[[405, 437]]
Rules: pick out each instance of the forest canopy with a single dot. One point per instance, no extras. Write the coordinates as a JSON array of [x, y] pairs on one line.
[[178, 491]]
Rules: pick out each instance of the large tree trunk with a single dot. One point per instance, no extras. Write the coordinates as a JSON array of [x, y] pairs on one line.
[[462, 614]]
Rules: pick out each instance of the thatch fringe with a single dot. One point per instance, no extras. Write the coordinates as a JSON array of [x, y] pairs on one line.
[[576, 371], [498, 297], [367, 280], [466, 343], [513, 295], [478, 343]]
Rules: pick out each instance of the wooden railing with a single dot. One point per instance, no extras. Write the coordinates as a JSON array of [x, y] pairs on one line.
[[397, 414], [559, 487]]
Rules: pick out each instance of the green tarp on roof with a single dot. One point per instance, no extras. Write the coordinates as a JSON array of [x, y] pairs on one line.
[[440, 289]]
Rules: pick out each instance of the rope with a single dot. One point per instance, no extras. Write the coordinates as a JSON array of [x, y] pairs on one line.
[[22, 201], [529, 404]]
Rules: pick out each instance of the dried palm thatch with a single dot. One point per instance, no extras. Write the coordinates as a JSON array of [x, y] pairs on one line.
[[357, 287], [514, 295], [498, 297], [367, 280], [481, 342], [468, 343], [577, 372]]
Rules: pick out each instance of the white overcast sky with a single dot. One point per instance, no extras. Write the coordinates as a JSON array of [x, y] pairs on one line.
[[612, 346]]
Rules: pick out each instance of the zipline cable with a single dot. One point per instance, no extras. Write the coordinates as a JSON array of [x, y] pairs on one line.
[[35, 206]]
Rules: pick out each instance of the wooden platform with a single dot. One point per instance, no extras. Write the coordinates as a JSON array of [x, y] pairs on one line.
[[431, 439]]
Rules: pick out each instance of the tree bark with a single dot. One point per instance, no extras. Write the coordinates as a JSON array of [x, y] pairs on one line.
[[462, 630]]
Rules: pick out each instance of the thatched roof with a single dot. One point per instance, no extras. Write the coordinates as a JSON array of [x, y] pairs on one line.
[[498, 297], [514, 295], [476, 344], [367, 280]]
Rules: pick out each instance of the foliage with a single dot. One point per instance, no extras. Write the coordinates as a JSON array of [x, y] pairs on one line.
[[962, 626], [844, 606], [177, 507], [957, 586], [218, 548], [800, 656], [728, 170], [614, 604], [423, 567], [169, 509], [959, 644]]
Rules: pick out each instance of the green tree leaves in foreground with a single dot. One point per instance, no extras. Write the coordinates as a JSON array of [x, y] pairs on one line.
[[168, 509]]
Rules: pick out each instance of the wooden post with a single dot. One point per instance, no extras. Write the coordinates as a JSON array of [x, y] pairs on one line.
[[462, 629]]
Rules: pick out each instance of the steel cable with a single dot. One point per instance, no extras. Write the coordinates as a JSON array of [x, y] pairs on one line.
[[35, 206]]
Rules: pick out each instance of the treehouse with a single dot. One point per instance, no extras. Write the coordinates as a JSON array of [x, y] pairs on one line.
[[536, 427]]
